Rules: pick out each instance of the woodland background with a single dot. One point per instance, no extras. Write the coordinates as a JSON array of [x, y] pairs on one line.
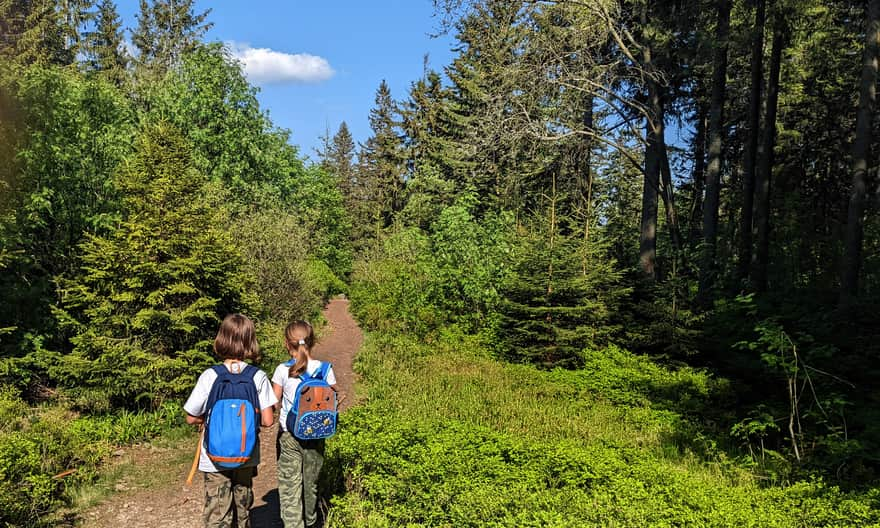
[[632, 243]]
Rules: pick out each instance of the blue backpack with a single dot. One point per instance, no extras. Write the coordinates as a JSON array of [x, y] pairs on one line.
[[314, 414], [232, 418]]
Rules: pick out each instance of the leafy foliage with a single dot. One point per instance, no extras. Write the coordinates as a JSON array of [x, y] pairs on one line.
[[450, 437], [39, 444], [70, 134], [421, 281], [150, 294], [290, 282], [209, 100]]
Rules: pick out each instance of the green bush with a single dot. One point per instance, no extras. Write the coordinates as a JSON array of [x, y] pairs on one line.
[[449, 437], [420, 281], [403, 473], [323, 280], [40, 444], [625, 378], [143, 308], [282, 272]]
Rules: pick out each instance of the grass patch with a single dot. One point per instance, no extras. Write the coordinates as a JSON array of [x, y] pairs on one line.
[[449, 437], [49, 451], [146, 466]]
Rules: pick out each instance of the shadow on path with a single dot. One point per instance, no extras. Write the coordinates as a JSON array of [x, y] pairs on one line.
[[268, 513]]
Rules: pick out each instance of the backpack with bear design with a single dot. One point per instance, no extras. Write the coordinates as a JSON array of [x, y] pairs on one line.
[[314, 413]]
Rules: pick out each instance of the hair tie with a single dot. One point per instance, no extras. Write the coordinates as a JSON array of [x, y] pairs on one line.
[[302, 342]]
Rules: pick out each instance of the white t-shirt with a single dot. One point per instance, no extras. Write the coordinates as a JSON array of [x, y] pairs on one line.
[[195, 406], [290, 385]]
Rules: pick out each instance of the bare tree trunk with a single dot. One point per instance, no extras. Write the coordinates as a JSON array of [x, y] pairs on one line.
[[751, 153], [584, 169], [716, 134], [586, 184], [765, 159], [849, 281], [698, 175], [648, 235], [653, 129]]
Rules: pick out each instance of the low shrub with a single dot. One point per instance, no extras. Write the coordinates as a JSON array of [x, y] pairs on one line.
[[44, 450], [449, 437]]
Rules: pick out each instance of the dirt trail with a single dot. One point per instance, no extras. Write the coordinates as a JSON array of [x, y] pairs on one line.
[[180, 506]]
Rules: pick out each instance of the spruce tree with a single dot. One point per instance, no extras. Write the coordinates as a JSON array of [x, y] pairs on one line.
[[31, 32], [433, 127], [167, 29], [381, 163], [77, 17], [146, 301], [437, 164], [563, 295], [339, 161], [106, 49]]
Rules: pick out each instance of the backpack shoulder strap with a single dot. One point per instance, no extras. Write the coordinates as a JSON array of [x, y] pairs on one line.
[[214, 395], [323, 370], [221, 370], [250, 371]]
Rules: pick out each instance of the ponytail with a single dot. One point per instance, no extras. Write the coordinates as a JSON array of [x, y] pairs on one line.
[[303, 347]]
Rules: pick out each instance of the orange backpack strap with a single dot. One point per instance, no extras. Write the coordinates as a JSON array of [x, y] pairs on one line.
[[195, 464]]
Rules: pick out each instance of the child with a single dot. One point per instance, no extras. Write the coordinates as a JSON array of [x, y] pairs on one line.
[[229, 493], [299, 461]]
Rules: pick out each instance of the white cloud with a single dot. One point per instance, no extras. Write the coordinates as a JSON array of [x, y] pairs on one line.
[[266, 66]]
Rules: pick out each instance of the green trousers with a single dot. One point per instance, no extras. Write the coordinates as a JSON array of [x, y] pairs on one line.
[[229, 496], [299, 464]]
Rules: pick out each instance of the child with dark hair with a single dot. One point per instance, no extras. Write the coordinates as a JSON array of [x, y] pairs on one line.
[[299, 461], [229, 492]]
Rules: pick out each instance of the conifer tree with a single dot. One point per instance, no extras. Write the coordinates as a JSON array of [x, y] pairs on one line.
[[143, 307], [381, 163], [432, 124], [553, 305], [481, 102], [166, 30], [339, 161], [31, 32], [434, 147], [106, 49], [77, 18]]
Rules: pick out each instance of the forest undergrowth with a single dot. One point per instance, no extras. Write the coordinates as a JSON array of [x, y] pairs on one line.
[[448, 436]]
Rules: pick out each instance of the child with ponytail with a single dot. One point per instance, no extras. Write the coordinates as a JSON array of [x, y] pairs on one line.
[[299, 461]]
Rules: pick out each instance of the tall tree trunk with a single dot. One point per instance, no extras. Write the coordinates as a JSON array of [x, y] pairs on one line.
[[713, 170], [584, 170], [751, 153], [765, 158], [648, 231], [852, 259], [698, 175], [585, 185], [648, 235]]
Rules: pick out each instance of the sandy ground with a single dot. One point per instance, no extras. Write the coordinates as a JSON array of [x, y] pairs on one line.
[[179, 505]]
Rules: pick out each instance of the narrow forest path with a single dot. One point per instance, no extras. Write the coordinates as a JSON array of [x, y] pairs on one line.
[[179, 505]]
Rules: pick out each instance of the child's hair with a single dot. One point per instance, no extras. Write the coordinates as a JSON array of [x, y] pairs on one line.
[[299, 366], [237, 339]]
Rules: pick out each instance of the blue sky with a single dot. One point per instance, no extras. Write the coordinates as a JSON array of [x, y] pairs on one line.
[[319, 63]]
